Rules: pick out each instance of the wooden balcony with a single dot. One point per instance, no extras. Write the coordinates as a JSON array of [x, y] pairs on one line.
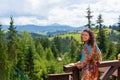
[[109, 68]]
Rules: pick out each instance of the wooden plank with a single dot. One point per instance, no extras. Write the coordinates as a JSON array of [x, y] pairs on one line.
[[68, 68], [103, 69], [109, 63], [63, 76], [108, 72]]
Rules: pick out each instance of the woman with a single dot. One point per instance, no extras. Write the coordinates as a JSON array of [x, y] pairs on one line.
[[91, 55]]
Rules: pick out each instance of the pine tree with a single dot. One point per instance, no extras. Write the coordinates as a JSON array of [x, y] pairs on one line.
[[102, 39], [74, 51], [28, 49], [30, 63], [12, 34], [4, 73], [21, 54], [39, 61], [100, 21], [24, 43], [54, 50], [89, 17], [112, 52], [39, 67], [45, 42], [58, 43], [12, 55], [51, 63], [102, 36], [39, 48], [49, 54], [65, 43]]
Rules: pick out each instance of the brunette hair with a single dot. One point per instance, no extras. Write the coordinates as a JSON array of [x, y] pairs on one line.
[[92, 39]]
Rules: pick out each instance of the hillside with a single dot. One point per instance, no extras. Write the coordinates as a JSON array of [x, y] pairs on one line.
[[76, 35]]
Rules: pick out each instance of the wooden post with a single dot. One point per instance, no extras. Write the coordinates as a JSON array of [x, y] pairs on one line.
[[118, 76], [74, 70], [75, 74]]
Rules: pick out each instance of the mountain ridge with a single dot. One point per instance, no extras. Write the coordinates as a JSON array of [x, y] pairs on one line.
[[48, 28]]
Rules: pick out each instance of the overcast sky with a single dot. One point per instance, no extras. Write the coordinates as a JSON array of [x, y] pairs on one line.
[[66, 12]]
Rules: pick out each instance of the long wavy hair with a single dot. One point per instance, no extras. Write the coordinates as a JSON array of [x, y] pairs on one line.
[[92, 40]]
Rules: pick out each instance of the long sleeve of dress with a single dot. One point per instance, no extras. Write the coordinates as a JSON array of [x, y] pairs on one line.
[[83, 59]]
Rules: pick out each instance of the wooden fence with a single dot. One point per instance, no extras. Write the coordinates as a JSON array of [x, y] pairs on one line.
[[109, 68]]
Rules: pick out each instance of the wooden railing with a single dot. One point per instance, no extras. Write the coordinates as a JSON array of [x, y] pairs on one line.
[[109, 68], [62, 76]]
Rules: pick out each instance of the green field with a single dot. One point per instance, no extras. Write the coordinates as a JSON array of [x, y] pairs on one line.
[[76, 36]]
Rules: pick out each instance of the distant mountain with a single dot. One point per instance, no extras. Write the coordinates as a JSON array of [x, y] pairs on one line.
[[49, 28], [114, 26]]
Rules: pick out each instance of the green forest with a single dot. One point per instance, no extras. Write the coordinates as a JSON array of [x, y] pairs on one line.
[[23, 57]]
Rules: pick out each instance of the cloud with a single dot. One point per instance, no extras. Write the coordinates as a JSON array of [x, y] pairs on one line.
[[110, 10], [34, 20], [23, 20], [43, 12], [66, 16]]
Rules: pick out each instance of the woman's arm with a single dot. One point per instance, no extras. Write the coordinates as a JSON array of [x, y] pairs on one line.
[[80, 64]]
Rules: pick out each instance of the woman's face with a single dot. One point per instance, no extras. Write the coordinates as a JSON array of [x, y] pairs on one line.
[[85, 36]]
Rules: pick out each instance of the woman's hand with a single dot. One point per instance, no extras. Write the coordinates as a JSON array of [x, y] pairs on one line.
[[71, 64]]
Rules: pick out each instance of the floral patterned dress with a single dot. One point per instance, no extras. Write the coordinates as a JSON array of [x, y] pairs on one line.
[[90, 56]]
